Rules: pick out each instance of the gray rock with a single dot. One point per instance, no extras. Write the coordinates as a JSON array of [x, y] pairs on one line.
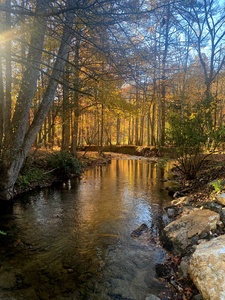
[[212, 205], [222, 215], [184, 267], [182, 233], [207, 268], [171, 212]]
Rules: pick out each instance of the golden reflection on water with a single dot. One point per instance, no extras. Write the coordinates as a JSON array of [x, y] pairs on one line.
[[86, 225], [130, 191]]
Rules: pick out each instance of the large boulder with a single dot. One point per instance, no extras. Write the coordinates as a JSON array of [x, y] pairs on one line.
[[181, 234], [207, 268]]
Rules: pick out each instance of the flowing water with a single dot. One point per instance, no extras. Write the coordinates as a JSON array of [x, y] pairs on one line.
[[75, 242]]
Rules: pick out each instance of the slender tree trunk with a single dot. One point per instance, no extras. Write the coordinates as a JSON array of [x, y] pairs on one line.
[[153, 127], [137, 118], [1, 104], [163, 84], [118, 130], [76, 97], [141, 141], [66, 113], [148, 128], [102, 129]]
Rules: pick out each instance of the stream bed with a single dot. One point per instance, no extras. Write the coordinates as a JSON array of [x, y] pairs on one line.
[[74, 241]]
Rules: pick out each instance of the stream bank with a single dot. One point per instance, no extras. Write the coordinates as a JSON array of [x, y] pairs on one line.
[[195, 235]]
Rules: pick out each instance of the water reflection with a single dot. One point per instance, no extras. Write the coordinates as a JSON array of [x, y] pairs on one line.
[[75, 243]]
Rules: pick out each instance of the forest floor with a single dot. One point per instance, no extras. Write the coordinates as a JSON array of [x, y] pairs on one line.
[[199, 191]]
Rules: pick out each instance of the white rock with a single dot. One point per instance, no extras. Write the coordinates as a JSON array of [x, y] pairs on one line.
[[207, 268]]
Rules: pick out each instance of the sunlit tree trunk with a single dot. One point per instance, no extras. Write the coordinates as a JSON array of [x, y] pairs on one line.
[[137, 96], [76, 97], [141, 140], [118, 121]]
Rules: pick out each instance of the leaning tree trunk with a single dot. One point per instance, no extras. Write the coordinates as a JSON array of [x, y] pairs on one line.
[[20, 140], [13, 156]]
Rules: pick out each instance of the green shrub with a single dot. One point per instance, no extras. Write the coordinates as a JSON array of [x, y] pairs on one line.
[[218, 185], [30, 177], [193, 139], [64, 163]]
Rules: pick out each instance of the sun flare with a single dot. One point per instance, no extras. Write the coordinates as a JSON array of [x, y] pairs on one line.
[[8, 35]]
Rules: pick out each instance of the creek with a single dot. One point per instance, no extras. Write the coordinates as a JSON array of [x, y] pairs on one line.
[[74, 241]]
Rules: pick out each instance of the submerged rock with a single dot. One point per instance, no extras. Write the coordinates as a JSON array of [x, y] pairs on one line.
[[138, 231], [207, 268], [184, 232]]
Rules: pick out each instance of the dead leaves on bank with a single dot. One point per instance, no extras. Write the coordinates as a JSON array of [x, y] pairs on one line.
[[180, 287]]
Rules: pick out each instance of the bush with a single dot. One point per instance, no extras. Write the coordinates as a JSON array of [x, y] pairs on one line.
[[218, 185], [30, 177], [64, 163], [193, 140]]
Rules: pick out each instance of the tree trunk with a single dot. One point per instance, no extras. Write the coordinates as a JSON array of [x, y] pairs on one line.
[[163, 84], [118, 130], [66, 113], [19, 141], [8, 82], [1, 104], [76, 96]]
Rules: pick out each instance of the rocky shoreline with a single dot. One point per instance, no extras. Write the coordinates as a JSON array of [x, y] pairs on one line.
[[195, 240]]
